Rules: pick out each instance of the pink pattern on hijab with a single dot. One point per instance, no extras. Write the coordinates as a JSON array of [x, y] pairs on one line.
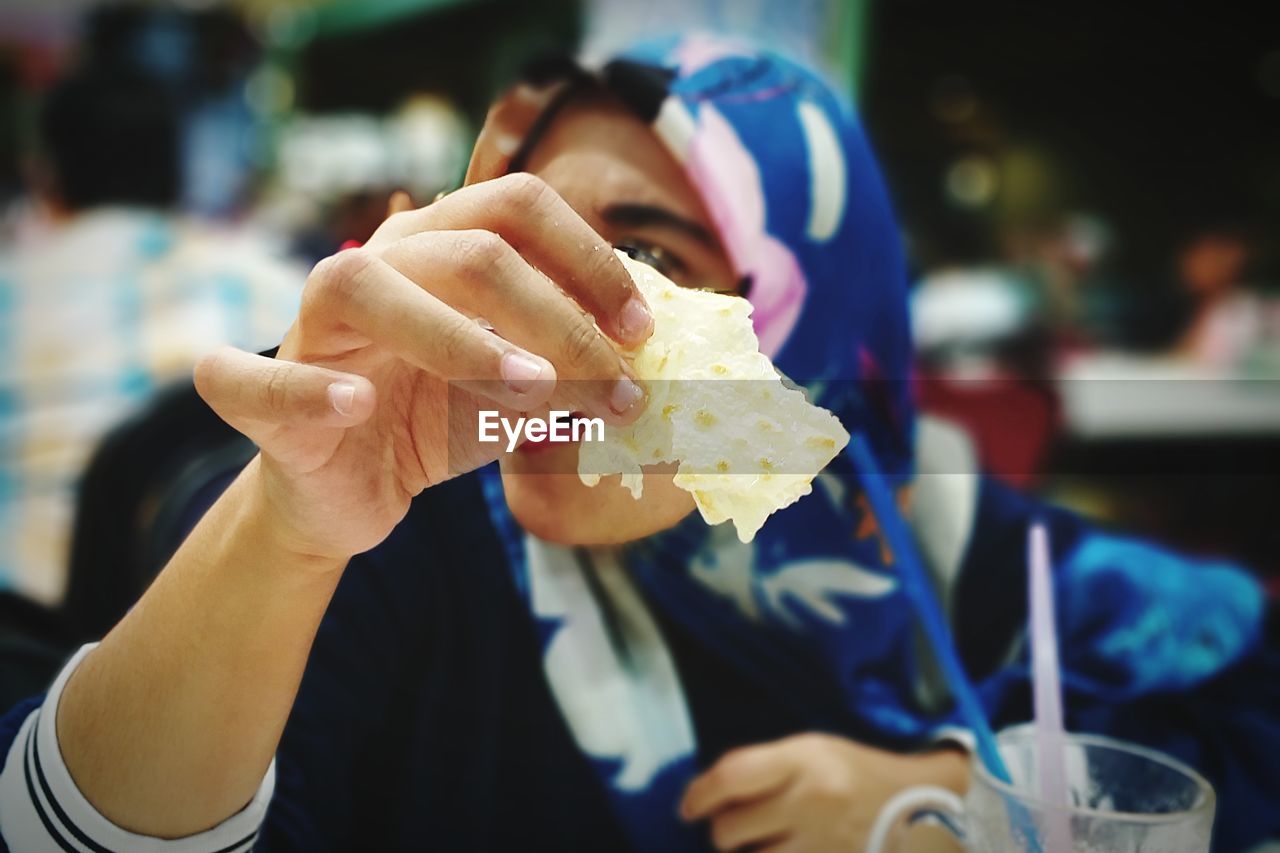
[[727, 178], [698, 51]]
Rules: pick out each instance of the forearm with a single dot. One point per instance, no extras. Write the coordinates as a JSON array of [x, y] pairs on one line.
[[168, 726]]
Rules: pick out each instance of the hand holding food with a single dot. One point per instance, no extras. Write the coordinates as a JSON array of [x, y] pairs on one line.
[[360, 411]]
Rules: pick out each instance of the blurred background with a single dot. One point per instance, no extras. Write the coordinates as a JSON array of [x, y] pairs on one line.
[[1089, 194]]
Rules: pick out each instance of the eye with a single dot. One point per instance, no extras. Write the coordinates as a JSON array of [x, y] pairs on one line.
[[665, 262], [673, 266]]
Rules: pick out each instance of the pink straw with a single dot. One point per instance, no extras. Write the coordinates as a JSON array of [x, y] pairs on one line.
[[1048, 693]]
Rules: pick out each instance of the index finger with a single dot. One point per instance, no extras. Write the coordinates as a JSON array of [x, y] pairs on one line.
[[541, 226], [743, 774]]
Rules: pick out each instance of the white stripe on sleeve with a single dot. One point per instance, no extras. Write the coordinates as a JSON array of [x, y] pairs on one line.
[[41, 808]]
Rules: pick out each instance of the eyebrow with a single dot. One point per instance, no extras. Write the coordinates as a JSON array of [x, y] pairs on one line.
[[646, 215]]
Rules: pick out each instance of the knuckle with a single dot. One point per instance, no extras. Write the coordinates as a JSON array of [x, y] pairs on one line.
[[582, 345], [829, 785], [722, 773], [396, 226], [455, 335], [401, 222], [275, 389], [813, 743], [607, 278], [339, 275], [480, 255], [735, 762], [524, 192]]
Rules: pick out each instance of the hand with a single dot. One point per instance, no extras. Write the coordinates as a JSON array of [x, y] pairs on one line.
[[374, 393], [809, 792]]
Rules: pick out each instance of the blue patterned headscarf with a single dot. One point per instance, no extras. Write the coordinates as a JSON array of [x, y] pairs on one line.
[[812, 608]]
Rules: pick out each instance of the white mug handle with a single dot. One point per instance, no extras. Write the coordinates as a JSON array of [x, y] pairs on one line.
[[911, 805]]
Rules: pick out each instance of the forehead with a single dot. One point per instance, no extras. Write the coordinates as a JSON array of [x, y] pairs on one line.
[[597, 153]]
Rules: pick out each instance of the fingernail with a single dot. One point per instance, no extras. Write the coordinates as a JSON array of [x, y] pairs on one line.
[[634, 320], [342, 396], [520, 371], [626, 394]]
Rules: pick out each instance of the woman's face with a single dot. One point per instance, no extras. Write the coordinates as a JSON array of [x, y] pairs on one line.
[[611, 169]]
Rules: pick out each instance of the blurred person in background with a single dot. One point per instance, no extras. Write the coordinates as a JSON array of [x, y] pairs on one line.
[[113, 297], [355, 649], [981, 331], [1233, 324]]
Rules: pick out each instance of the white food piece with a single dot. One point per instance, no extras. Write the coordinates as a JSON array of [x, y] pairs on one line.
[[746, 444]]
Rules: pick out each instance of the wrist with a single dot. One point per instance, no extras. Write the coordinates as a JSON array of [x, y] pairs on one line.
[[262, 519]]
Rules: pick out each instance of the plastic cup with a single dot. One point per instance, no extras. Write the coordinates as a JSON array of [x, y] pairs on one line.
[[1121, 798]]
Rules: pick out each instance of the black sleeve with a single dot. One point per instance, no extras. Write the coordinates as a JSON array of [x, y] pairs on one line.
[[327, 765]]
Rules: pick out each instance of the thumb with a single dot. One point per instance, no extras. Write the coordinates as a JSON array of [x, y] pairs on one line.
[[259, 395]]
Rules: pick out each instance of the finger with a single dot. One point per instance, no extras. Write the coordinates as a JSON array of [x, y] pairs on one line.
[[509, 121], [741, 775], [399, 202], [373, 298], [759, 822], [479, 273], [254, 393], [543, 228]]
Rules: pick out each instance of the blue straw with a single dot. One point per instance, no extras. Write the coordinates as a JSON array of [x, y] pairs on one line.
[[915, 583], [918, 589]]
